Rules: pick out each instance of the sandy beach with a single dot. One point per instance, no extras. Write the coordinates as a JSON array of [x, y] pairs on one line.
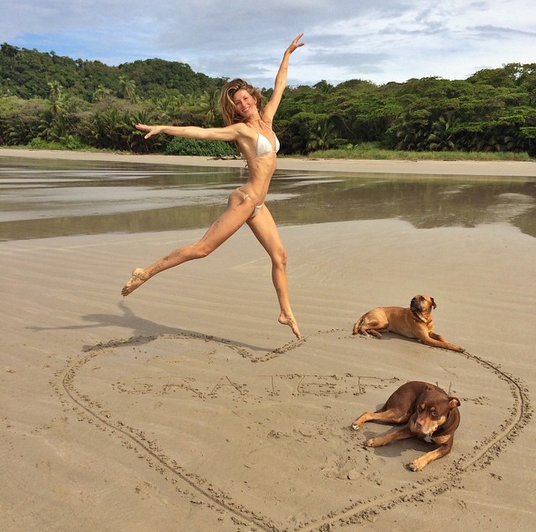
[[492, 168], [186, 406]]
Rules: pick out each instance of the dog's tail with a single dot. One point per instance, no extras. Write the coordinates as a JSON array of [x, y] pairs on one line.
[[358, 326]]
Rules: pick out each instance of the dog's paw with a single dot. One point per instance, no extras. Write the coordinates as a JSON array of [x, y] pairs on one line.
[[355, 427], [372, 443], [456, 348], [416, 465]]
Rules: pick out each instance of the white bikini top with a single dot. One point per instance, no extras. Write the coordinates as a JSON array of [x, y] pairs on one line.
[[264, 147]]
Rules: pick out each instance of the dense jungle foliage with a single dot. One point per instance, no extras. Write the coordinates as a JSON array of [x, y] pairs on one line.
[[48, 100]]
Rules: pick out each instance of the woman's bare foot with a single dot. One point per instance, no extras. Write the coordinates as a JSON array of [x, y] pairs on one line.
[[286, 319], [138, 278]]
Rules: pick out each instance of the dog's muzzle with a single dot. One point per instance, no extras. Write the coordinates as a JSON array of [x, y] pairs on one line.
[[414, 306]]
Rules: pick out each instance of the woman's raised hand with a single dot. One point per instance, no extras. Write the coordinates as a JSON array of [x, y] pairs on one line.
[[295, 44]]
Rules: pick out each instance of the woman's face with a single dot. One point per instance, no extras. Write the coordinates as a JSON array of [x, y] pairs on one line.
[[245, 104]]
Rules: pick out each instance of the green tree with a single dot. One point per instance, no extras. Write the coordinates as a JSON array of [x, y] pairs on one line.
[[322, 135], [102, 93], [128, 88]]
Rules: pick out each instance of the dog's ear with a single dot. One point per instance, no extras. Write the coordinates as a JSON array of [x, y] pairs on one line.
[[433, 302], [453, 402]]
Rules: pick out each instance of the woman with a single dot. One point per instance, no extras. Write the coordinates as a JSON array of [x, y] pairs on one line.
[[249, 125]]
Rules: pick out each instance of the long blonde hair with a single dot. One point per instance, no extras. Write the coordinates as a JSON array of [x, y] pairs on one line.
[[228, 108]]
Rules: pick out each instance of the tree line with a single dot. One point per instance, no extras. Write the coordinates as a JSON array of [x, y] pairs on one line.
[[48, 99]]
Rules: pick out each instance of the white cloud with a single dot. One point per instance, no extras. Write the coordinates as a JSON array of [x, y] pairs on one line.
[[380, 40]]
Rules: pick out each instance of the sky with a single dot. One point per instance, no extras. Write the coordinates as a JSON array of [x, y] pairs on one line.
[[374, 40]]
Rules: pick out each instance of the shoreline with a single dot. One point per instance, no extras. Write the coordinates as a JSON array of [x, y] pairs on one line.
[[469, 168]]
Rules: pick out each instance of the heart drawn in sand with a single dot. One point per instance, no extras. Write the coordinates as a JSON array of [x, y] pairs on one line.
[[265, 437]]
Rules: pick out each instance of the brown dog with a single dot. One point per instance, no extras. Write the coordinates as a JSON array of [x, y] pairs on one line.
[[429, 414], [413, 322]]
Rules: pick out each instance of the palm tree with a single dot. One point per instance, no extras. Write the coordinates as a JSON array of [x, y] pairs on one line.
[[169, 106], [442, 134], [210, 103], [55, 97], [128, 88], [101, 93], [322, 135]]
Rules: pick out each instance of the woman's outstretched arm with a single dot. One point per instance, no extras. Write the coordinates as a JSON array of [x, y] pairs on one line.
[[229, 133], [281, 80]]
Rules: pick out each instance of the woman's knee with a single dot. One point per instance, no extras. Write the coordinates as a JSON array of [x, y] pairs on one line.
[[200, 250], [280, 257]]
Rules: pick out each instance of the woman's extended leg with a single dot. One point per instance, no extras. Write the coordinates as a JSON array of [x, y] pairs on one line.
[[265, 230], [238, 211]]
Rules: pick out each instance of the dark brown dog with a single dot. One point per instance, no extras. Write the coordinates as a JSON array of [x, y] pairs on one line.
[[413, 322], [429, 414]]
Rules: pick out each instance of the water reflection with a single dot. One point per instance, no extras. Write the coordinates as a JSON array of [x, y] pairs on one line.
[[45, 198]]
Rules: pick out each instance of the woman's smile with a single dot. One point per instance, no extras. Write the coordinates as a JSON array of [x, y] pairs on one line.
[[244, 102]]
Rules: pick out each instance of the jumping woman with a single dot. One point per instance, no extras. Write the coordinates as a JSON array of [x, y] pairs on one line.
[[250, 125]]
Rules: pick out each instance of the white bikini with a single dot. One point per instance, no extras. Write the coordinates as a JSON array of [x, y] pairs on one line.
[[264, 147]]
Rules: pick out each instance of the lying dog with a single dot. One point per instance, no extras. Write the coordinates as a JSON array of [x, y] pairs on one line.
[[413, 322], [429, 414]]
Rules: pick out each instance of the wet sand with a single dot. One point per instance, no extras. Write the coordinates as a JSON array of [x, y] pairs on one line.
[[187, 406]]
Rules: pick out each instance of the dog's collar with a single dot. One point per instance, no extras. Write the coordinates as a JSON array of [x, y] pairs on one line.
[[419, 317]]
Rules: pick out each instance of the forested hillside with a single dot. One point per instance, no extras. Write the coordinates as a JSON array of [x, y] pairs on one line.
[[25, 73], [45, 98]]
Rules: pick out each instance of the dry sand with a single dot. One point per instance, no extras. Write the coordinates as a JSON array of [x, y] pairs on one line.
[[484, 168], [186, 406]]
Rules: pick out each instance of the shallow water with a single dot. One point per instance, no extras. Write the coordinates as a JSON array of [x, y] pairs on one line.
[[49, 198]]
